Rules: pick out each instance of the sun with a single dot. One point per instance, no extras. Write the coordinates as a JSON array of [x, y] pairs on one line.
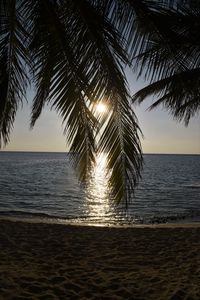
[[101, 108]]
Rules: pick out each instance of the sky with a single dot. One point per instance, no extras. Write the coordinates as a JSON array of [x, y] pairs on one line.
[[162, 134]]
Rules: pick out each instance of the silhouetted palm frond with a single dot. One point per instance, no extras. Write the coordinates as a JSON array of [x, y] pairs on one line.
[[121, 142], [179, 93], [13, 57], [75, 71], [169, 58]]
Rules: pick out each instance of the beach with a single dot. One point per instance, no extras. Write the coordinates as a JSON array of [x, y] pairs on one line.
[[54, 261]]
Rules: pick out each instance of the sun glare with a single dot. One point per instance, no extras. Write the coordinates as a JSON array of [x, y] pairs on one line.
[[101, 108]]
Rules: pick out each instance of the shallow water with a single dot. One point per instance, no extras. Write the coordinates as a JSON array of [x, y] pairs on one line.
[[45, 185]]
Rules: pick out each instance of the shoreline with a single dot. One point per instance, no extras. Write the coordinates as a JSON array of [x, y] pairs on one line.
[[65, 222], [41, 261]]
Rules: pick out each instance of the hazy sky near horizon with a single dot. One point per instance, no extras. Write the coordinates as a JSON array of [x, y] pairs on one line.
[[162, 134]]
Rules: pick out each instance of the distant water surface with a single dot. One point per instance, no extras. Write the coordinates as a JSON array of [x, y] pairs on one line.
[[44, 185]]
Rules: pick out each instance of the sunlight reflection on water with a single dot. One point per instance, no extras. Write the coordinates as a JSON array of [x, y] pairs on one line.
[[45, 185], [97, 194]]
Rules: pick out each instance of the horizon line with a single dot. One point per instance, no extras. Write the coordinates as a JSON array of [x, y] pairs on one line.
[[145, 153]]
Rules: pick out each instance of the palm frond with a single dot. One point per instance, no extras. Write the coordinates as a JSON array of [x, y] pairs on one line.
[[13, 58], [60, 81], [161, 38], [120, 141], [86, 68], [179, 93], [167, 54]]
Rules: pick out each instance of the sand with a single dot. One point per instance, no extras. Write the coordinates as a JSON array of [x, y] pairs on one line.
[[48, 261]]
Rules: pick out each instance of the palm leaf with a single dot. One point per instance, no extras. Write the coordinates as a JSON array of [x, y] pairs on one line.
[[167, 54], [121, 143], [120, 137], [178, 93], [13, 58], [60, 81], [86, 68]]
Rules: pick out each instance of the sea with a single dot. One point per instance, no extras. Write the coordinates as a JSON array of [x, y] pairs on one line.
[[44, 186]]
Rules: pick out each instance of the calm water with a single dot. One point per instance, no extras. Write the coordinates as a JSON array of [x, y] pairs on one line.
[[45, 185]]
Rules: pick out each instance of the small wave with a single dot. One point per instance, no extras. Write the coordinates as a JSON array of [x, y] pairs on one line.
[[14, 213], [193, 186], [101, 220], [179, 218]]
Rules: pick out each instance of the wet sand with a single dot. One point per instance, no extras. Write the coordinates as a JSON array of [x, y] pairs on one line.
[[49, 261]]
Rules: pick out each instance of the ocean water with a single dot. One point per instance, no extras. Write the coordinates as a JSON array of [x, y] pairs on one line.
[[44, 185]]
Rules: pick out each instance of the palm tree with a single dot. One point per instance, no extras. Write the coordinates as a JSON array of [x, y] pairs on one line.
[[74, 52]]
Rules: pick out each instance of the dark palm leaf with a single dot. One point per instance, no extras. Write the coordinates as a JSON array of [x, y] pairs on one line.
[[13, 58], [59, 80], [180, 94], [169, 58], [121, 143], [120, 137], [75, 71]]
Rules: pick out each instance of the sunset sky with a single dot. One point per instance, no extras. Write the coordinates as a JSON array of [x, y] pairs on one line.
[[162, 134]]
